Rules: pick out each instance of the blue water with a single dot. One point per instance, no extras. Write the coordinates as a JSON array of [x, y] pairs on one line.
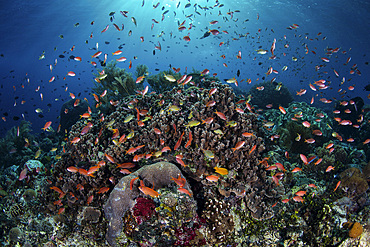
[[30, 27]]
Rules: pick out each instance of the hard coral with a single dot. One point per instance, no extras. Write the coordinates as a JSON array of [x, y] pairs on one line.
[[91, 215], [219, 219], [122, 198], [29, 195], [170, 113], [353, 182]]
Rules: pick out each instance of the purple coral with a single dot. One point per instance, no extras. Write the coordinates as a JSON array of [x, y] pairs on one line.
[[143, 209]]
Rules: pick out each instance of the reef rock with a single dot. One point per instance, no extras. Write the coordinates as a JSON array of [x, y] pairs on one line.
[[70, 114], [122, 198]]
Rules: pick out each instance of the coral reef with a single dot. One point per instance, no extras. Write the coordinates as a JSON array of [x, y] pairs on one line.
[[29, 195], [292, 134], [270, 95], [353, 182], [70, 114], [160, 84], [219, 220], [15, 234], [175, 126], [90, 215], [118, 82], [14, 147], [122, 198]]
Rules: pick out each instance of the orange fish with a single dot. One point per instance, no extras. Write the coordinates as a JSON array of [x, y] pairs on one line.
[[110, 158], [147, 190], [297, 169], [303, 158], [280, 166], [125, 171], [312, 186], [132, 182], [103, 190], [118, 52], [208, 120], [47, 125], [212, 178], [329, 168], [253, 148], [301, 193], [85, 115], [179, 181], [180, 161], [298, 199], [90, 199], [238, 146], [282, 109], [79, 187], [221, 115], [189, 141], [71, 73], [126, 165], [75, 139], [247, 134], [306, 124], [179, 142], [72, 169], [185, 191], [336, 187]]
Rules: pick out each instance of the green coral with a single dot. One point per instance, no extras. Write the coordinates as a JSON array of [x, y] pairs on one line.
[[118, 82]]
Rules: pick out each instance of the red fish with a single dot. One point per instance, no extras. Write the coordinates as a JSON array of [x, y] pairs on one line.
[[23, 174], [253, 148], [185, 191], [47, 125], [189, 141], [179, 142], [103, 190], [105, 29], [221, 115], [110, 158], [71, 73], [179, 181]]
